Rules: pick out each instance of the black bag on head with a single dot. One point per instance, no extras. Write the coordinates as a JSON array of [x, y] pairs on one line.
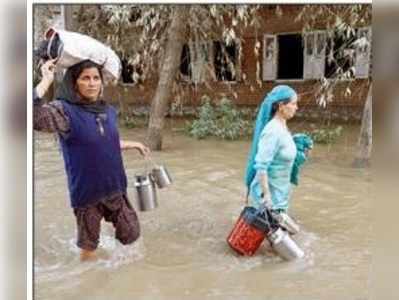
[[49, 48]]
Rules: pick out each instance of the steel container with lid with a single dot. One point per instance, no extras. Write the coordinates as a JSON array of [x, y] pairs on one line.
[[284, 245], [146, 194]]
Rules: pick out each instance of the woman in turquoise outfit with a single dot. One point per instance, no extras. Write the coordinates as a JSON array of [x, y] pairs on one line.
[[273, 151]]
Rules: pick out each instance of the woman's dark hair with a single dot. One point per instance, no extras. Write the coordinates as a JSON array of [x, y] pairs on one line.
[[277, 104], [77, 69]]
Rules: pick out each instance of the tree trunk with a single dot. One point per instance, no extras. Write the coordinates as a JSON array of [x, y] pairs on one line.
[[170, 65], [365, 141], [69, 23], [122, 107]]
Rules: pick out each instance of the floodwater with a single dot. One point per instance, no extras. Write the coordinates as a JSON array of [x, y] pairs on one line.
[[182, 252]]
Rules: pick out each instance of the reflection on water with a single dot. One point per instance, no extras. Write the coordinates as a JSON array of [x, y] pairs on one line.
[[182, 252]]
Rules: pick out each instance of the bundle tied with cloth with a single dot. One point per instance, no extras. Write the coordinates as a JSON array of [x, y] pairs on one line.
[[70, 48], [303, 144]]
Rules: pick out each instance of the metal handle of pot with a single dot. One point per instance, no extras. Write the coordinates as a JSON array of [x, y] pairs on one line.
[[148, 165], [265, 210], [146, 169]]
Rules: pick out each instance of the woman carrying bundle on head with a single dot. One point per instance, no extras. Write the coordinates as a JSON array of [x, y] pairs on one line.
[[88, 133]]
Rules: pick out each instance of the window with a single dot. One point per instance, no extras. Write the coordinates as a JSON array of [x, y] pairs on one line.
[[340, 56], [130, 74], [197, 58], [350, 53], [269, 57], [363, 52], [314, 53], [309, 44], [127, 72], [290, 56], [194, 61], [283, 57], [225, 61], [270, 45], [185, 62], [320, 44]]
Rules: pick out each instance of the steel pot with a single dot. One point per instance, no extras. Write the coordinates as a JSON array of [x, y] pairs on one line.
[[284, 245], [161, 176], [145, 192]]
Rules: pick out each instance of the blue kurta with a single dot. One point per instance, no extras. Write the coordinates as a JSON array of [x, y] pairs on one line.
[[276, 154], [93, 160]]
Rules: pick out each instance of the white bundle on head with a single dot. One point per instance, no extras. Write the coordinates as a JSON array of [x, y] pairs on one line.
[[75, 47]]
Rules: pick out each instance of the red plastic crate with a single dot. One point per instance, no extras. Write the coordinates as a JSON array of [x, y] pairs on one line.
[[245, 238]]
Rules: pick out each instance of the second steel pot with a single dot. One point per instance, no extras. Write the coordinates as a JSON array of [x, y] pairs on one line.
[[161, 176]]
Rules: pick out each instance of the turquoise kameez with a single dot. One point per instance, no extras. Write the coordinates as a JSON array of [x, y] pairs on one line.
[[276, 154]]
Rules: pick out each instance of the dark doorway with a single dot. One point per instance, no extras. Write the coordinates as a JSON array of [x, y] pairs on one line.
[[290, 56]]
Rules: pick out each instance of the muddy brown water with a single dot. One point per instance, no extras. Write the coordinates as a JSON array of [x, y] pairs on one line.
[[182, 252]]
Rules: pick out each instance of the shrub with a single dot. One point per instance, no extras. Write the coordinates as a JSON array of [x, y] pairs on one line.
[[128, 122], [326, 135], [222, 120]]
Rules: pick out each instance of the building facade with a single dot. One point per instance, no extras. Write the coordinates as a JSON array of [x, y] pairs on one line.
[[279, 51]]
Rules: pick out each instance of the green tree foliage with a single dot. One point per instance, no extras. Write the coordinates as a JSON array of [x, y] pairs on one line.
[[339, 21], [137, 32]]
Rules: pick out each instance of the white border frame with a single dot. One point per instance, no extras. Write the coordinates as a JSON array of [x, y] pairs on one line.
[[29, 153]]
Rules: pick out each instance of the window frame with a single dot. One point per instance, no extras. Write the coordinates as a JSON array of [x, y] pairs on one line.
[[277, 48], [369, 32], [273, 63], [238, 65]]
